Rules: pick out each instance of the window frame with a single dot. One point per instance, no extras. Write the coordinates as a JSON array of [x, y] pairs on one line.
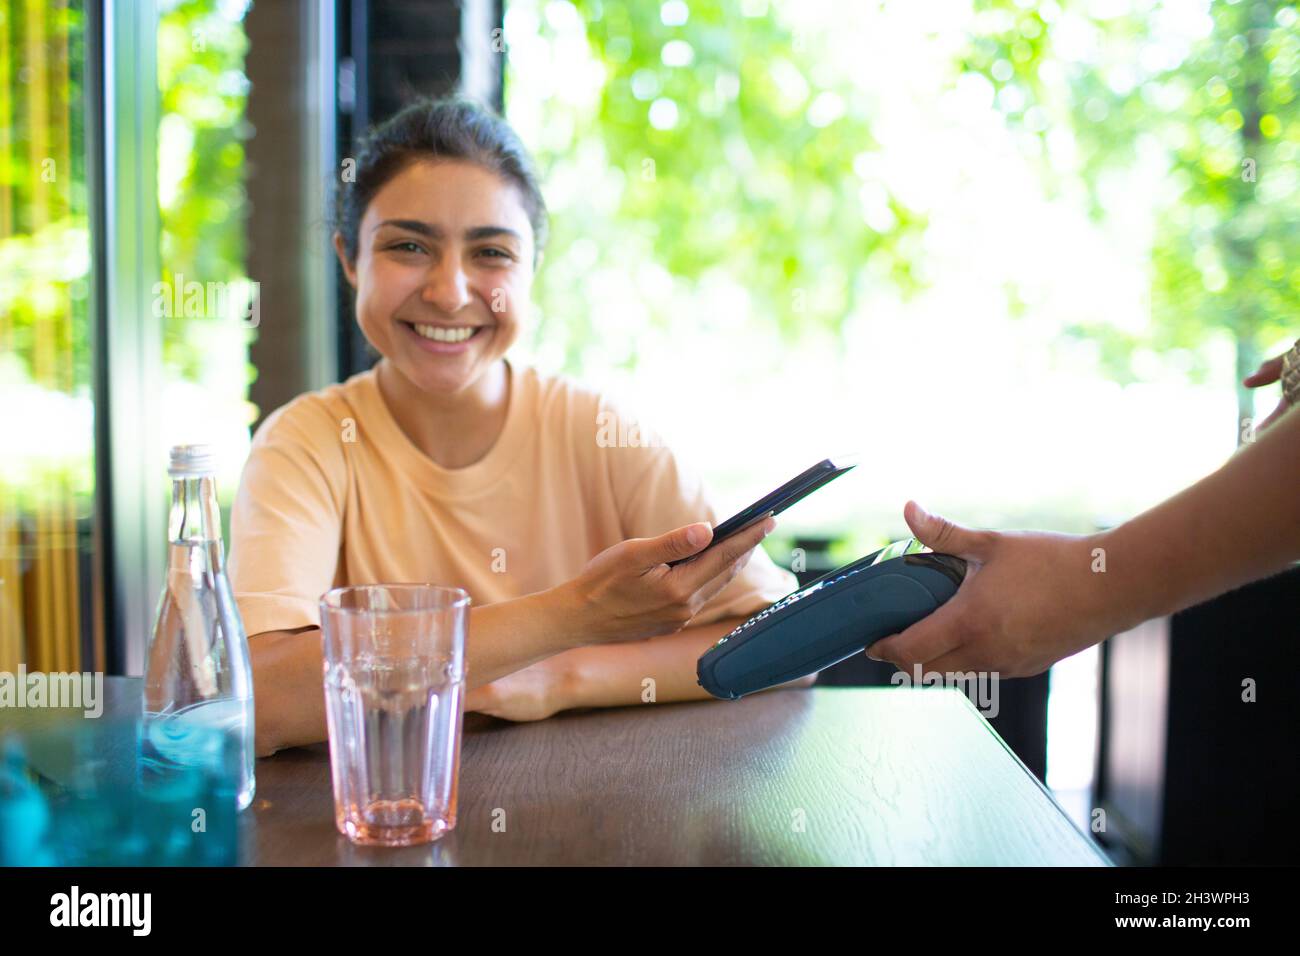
[[126, 336]]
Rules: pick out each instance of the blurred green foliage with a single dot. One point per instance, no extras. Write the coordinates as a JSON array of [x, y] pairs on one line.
[[203, 96], [735, 148], [44, 245], [45, 359], [45, 260], [1224, 112], [735, 152]]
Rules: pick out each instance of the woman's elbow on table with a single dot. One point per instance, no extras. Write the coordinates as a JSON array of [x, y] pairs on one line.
[[288, 695]]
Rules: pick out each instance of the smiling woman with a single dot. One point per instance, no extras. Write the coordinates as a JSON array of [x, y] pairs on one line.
[[447, 463], [444, 267]]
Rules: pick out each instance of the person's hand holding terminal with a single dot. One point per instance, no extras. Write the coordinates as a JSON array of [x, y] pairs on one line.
[[1032, 598]]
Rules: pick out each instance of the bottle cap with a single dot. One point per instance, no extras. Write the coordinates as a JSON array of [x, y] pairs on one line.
[[191, 461]]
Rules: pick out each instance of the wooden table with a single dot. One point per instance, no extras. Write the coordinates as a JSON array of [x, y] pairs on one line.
[[881, 776]]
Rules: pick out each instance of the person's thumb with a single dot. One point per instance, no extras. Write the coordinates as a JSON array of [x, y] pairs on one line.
[[939, 534], [676, 544]]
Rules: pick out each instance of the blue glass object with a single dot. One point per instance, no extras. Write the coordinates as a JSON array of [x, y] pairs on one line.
[[85, 792]]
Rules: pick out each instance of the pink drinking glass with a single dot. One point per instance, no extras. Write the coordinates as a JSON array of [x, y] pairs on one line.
[[394, 700]]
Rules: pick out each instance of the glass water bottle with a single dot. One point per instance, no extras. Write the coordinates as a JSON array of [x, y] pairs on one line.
[[197, 674]]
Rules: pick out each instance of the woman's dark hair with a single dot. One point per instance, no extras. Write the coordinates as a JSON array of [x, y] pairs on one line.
[[447, 128]]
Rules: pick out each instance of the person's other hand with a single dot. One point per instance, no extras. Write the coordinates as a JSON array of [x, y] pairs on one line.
[[531, 693], [1029, 599], [1268, 373], [628, 591]]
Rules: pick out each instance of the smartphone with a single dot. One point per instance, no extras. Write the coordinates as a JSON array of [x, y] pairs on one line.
[[796, 489]]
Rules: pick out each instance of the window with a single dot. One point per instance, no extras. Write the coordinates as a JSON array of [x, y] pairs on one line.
[[127, 308], [47, 470]]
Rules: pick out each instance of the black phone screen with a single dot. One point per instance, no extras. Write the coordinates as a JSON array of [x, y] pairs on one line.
[[794, 490]]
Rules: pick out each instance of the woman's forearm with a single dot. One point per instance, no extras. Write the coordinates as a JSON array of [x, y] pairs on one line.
[[511, 635], [625, 592], [658, 670], [1236, 525]]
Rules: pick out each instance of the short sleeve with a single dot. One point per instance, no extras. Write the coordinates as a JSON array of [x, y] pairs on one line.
[[656, 493], [286, 522]]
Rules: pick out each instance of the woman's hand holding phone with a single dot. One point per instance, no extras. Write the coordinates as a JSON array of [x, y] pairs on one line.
[[629, 592]]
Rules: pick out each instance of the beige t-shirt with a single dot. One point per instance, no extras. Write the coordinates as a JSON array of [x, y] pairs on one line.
[[334, 493]]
